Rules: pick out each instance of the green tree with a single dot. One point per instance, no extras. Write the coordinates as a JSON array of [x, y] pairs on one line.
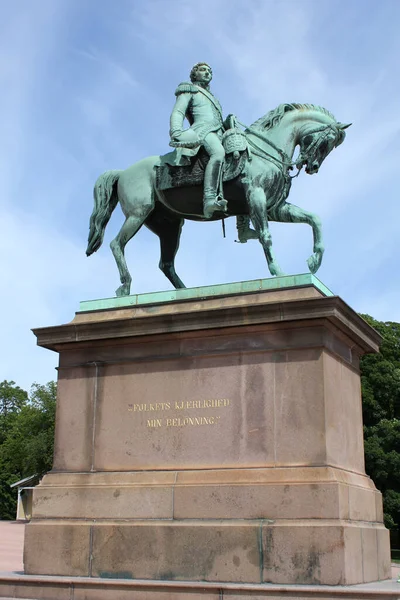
[[380, 380], [28, 438], [12, 399], [380, 375]]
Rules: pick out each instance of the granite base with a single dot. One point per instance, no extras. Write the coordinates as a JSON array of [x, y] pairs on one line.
[[211, 439]]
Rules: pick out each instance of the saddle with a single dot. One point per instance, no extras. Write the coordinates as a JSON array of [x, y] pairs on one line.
[[168, 176]]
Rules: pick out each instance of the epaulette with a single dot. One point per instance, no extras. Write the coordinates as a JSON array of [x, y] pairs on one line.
[[186, 87]]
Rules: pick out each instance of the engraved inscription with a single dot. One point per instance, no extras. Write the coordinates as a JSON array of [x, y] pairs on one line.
[[154, 423], [180, 406], [149, 407], [183, 421]]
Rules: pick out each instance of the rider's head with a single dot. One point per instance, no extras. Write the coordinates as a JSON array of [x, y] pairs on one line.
[[201, 72]]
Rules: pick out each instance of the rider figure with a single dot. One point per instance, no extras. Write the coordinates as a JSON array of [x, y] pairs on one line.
[[204, 113]]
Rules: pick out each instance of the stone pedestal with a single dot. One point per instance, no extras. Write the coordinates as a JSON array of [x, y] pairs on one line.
[[215, 435]]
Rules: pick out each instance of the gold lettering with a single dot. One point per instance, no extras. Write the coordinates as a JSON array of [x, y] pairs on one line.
[[158, 406], [154, 423], [181, 405], [193, 421]]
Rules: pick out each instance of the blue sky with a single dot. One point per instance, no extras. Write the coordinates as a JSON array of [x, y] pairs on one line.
[[89, 86]]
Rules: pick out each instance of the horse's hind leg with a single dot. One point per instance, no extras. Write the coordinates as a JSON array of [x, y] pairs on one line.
[[168, 229], [128, 230]]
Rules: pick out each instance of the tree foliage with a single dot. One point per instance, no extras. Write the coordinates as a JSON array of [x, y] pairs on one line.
[[12, 399], [26, 437], [380, 380]]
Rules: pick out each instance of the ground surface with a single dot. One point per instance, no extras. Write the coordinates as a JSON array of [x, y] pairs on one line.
[[11, 545]]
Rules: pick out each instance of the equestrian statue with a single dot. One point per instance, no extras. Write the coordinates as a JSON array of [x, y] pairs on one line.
[[216, 171]]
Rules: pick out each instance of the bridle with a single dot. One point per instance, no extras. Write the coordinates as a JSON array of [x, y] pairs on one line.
[[284, 162], [306, 154]]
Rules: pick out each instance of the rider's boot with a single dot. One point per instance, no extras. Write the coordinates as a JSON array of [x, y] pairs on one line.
[[213, 203], [245, 232], [213, 199]]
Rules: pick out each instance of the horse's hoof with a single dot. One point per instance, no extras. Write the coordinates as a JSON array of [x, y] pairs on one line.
[[123, 290], [313, 264], [276, 271]]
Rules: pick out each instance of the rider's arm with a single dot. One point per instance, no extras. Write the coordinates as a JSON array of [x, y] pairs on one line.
[[178, 114], [229, 122]]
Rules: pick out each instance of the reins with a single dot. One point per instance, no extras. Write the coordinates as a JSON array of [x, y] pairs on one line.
[[284, 161]]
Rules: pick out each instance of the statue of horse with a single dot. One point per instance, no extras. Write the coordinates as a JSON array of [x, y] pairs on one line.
[[260, 190]]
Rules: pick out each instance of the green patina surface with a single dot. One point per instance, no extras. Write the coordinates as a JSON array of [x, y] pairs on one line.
[[116, 575], [230, 172], [224, 289]]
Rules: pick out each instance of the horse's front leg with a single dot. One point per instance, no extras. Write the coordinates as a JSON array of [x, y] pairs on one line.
[[290, 213], [258, 213]]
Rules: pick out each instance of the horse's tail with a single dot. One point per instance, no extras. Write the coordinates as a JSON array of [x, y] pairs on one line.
[[105, 200]]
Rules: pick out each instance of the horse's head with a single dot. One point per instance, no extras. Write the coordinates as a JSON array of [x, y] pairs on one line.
[[316, 142]]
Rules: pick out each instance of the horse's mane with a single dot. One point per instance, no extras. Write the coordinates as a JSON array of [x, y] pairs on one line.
[[274, 117]]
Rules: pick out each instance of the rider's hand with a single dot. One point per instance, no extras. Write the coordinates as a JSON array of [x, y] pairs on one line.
[[230, 121], [188, 138], [175, 135]]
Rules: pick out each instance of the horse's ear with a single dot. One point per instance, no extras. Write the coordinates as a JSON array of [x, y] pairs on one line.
[[344, 126]]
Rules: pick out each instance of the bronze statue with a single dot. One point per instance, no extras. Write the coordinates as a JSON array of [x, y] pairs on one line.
[[255, 166]]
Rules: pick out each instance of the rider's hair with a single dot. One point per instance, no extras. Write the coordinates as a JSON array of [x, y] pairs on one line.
[[194, 70]]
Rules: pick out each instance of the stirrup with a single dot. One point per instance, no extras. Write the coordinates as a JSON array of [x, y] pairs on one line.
[[213, 205]]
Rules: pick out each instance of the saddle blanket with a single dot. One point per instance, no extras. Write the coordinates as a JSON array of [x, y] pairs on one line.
[[168, 177]]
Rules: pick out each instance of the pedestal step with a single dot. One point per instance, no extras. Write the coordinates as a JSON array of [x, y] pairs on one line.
[[298, 551], [80, 588]]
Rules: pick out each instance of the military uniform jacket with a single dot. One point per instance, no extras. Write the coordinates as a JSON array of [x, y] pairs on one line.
[[200, 107]]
